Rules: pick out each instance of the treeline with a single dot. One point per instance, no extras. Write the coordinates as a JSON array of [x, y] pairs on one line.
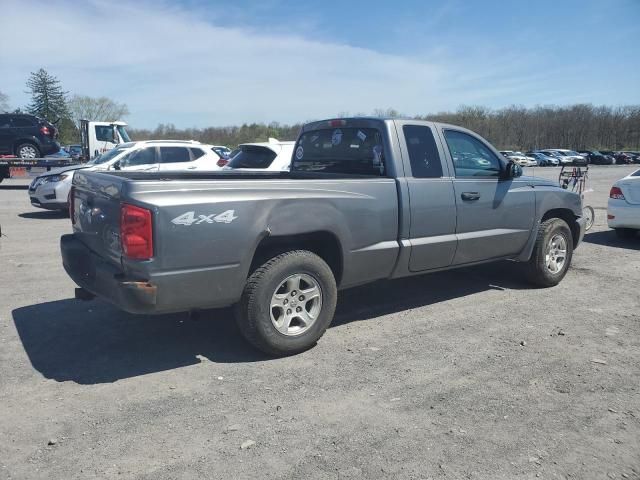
[[580, 126]]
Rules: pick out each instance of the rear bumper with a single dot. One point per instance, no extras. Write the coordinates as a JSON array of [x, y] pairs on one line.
[[625, 215], [154, 292], [105, 280]]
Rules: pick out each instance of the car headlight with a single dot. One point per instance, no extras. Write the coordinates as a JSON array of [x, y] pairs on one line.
[[55, 178]]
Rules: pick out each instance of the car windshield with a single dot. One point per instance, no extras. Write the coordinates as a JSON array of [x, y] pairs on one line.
[[123, 133], [106, 156]]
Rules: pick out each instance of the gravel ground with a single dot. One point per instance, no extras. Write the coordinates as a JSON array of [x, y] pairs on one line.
[[463, 374]]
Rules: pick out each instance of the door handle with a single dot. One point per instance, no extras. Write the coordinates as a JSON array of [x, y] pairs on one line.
[[470, 196]]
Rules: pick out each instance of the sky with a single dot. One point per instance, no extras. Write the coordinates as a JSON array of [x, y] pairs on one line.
[[197, 63]]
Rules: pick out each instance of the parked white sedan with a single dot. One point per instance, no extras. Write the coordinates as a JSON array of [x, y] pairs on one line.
[[623, 212]]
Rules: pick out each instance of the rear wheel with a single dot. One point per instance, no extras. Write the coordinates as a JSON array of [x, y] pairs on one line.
[[626, 232], [287, 303], [27, 150], [551, 255]]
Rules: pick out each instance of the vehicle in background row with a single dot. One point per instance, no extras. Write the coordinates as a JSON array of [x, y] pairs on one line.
[[97, 138], [75, 151], [629, 157], [221, 150], [519, 158], [566, 157], [365, 199], [623, 209], [595, 157], [273, 155], [51, 190], [27, 136], [544, 160]]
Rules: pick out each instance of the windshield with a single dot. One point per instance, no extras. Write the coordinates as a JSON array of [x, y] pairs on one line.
[[123, 133], [106, 156]]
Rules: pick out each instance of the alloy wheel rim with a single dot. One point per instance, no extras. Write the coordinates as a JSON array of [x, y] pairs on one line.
[[556, 255], [296, 304], [28, 152]]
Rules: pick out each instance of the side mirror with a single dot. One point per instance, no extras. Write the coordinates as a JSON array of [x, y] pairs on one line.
[[513, 170], [116, 165]]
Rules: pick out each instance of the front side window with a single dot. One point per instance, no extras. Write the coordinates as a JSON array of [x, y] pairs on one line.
[[423, 152], [344, 150], [104, 133], [145, 156], [471, 157], [174, 155]]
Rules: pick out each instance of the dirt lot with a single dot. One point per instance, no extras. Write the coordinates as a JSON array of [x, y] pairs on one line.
[[465, 374]]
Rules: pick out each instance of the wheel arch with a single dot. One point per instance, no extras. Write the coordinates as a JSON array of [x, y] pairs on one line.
[[323, 243], [568, 216]]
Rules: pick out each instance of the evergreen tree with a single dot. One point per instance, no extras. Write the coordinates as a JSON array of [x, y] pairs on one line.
[[48, 100]]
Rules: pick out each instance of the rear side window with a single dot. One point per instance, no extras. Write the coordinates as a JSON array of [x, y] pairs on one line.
[[21, 122], [355, 151], [423, 152], [174, 155], [252, 157], [196, 153]]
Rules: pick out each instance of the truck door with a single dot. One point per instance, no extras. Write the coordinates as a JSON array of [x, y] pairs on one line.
[[495, 215], [433, 209]]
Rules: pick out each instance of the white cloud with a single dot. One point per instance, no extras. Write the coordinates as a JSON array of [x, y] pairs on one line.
[[169, 65]]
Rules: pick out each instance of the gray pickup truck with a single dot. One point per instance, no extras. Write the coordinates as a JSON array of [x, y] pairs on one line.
[[365, 199]]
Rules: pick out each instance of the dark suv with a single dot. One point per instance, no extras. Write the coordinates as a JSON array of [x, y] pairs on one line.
[[27, 136]]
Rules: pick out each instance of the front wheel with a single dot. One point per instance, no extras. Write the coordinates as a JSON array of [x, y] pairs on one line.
[[551, 255], [287, 303]]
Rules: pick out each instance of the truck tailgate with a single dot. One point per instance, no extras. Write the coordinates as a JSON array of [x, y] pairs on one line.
[[96, 213]]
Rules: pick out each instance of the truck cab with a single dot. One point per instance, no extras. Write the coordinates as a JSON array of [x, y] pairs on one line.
[[99, 137]]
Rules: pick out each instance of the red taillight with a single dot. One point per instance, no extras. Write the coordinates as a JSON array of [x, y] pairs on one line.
[[72, 209], [610, 217], [44, 130], [136, 232], [222, 162], [616, 193]]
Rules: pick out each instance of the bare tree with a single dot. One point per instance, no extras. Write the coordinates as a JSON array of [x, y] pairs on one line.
[[97, 109]]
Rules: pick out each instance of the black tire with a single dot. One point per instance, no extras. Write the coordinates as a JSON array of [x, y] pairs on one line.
[[536, 269], [253, 312], [23, 147], [626, 233]]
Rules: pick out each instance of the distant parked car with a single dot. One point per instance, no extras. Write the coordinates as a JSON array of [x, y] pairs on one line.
[[519, 158], [623, 158], [74, 150], [633, 157], [596, 158], [273, 155], [62, 153], [544, 160], [623, 210], [566, 157], [27, 136]]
